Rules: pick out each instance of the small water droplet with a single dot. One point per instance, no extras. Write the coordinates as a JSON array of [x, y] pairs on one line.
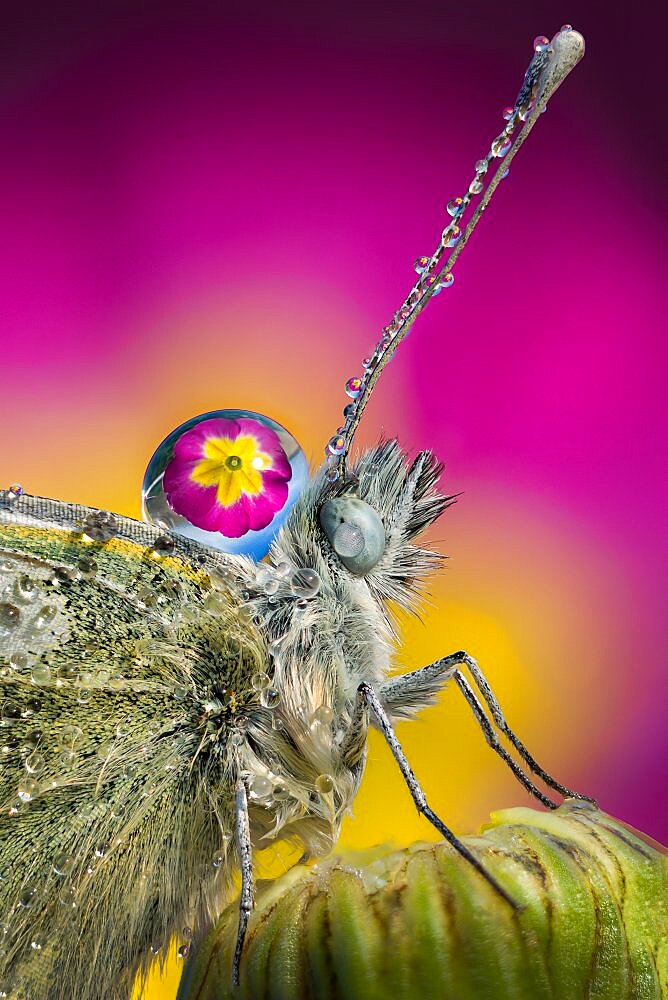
[[324, 784], [41, 674], [100, 525], [69, 735], [64, 574], [25, 589], [216, 603], [27, 789], [476, 186], [68, 759], [280, 791], [259, 787], [305, 582], [336, 445], [67, 896], [260, 681], [10, 616], [501, 145], [274, 646], [27, 897], [446, 282], [63, 864], [67, 672], [421, 264], [87, 568], [45, 616], [11, 711], [451, 236], [455, 207], [164, 545], [270, 697], [35, 763], [541, 43], [354, 387], [323, 715], [184, 951], [33, 738], [18, 661]]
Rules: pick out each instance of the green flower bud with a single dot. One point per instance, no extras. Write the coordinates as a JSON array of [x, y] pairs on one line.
[[422, 923]]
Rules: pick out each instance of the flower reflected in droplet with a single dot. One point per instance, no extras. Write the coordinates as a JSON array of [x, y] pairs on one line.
[[229, 476]]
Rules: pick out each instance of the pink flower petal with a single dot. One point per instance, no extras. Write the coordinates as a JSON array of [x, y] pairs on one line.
[[263, 508], [190, 446], [233, 522]]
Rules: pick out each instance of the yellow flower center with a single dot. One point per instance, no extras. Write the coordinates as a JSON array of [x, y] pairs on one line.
[[233, 466]]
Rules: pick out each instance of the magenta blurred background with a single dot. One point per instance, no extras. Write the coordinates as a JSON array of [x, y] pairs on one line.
[[209, 208]]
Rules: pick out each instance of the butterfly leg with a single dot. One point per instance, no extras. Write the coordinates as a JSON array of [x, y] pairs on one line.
[[367, 695], [409, 692], [499, 718], [247, 896]]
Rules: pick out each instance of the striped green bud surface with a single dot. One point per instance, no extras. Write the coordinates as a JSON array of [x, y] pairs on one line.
[[421, 923]]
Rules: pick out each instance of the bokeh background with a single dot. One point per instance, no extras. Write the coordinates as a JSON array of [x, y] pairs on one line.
[[206, 207]]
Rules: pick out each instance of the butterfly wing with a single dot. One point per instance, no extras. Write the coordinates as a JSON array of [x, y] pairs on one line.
[[125, 664]]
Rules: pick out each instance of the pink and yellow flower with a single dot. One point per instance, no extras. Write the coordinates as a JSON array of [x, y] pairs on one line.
[[229, 476]]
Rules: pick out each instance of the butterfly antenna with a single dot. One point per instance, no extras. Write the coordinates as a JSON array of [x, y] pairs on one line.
[[551, 63]]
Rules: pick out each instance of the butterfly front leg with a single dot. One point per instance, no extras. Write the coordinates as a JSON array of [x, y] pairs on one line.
[[406, 694], [247, 896], [369, 704]]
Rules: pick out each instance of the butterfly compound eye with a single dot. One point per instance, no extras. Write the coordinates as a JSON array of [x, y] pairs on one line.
[[355, 532], [226, 478]]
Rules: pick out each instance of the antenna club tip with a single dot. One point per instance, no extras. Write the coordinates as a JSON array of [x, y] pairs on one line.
[[569, 43]]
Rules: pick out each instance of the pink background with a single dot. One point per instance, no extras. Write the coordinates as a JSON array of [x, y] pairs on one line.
[[204, 209]]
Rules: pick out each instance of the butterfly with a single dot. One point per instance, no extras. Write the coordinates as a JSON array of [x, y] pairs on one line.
[[169, 701]]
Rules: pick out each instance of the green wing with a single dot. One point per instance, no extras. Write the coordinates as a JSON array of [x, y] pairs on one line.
[[125, 662]]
